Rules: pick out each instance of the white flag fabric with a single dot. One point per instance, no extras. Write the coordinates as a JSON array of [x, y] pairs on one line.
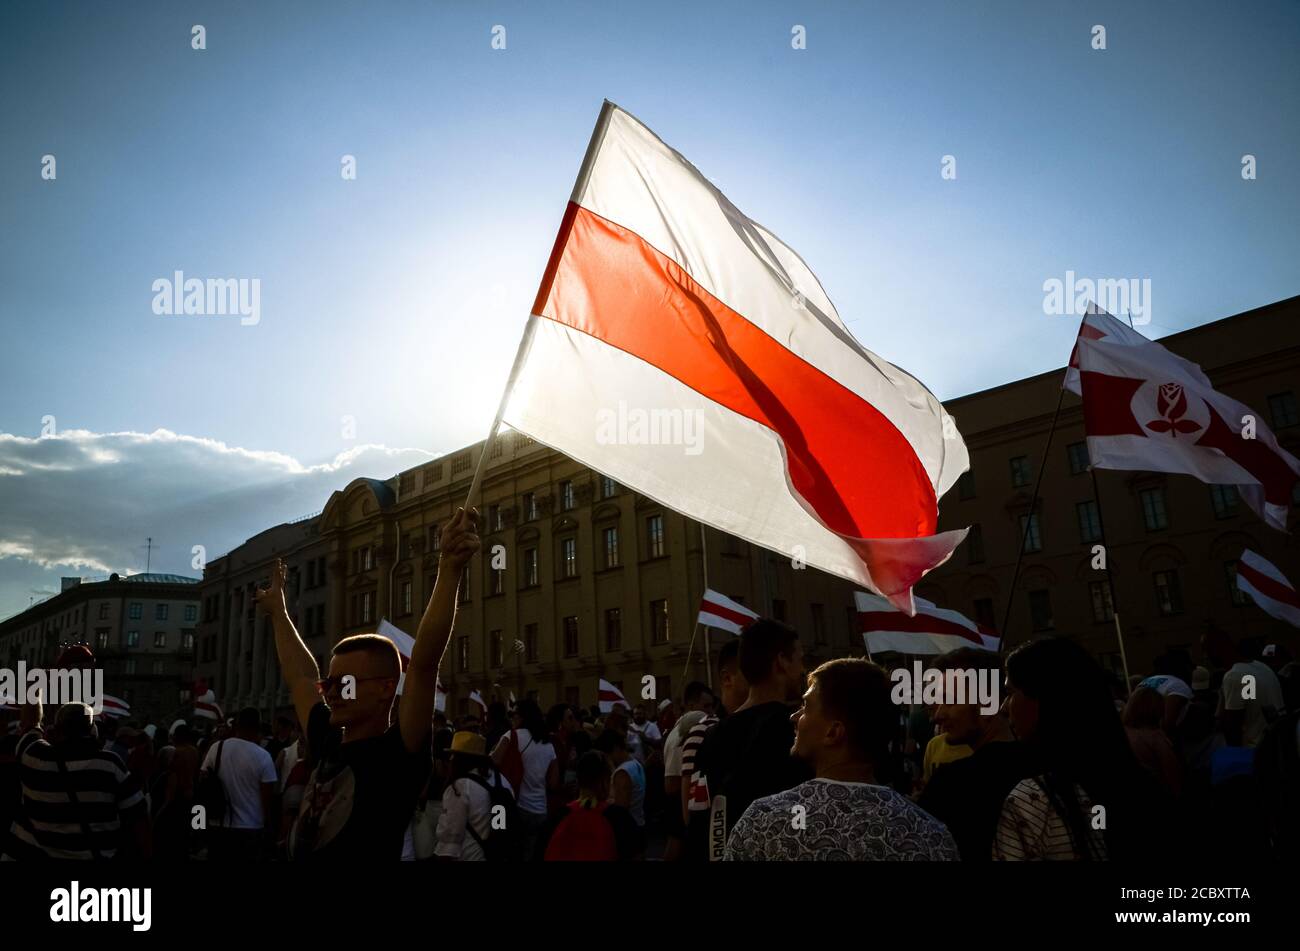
[[477, 697], [681, 348], [717, 610], [440, 697], [610, 697], [1145, 408], [933, 630], [405, 643], [1270, 589]]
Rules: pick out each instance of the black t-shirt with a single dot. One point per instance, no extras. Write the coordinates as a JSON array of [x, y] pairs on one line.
[[967, 795], [744, 757], [361, 795]]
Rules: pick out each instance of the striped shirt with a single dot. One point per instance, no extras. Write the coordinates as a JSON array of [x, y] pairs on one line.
[[690, 747], [49, 823], [1032, 830]]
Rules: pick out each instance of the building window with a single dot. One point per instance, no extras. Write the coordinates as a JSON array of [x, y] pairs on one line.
[[530, 642], [135, 611], [406, 597], [1235, 593], [1225, 499], [367, 606], [1153, 509], [130, 668], [1032, 538], [778, 610], [654, 530], [404, 547], [462, 589], [498, 580], [1089, 521], [406, 484], [966, 485], [530, 507], [1169, 596], [569, 557], [1102, 608], [610, 547], [187, 641], [570, 637], [495, 520], [613, 629], [819, 623], [1282, 408], [1019, 472], [984, 613], [158, 667], [566, 496], [435, 540], [530, 567], [1077, 454], [103, 611], [659, 621], [159, 638], [608, 487], [191, 613], [975, 545], [494, 645], [101, 640], [132, 638], [1040, 610], [462, 653]]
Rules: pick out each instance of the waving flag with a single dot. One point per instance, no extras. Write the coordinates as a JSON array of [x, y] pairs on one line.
[[681, 348], [933, 630], [719, 611], [439, 697], [1148, 409], [404, 642], [477, 697], [115, 707], [610, 696], [1270, 589], [205, 706]]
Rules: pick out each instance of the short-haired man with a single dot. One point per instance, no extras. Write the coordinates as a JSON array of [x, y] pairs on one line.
[[247, 775], [369, 771], [747, 755], [842, 731], [967, 795]]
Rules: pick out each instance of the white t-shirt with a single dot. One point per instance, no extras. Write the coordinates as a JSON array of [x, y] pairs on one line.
[[1167, 685], [465, 805], [245, 767], [537, 758], [638, 734], [676, 737], [1267, 695]]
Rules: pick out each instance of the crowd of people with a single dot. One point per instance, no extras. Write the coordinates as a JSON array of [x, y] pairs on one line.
[[773, 763]]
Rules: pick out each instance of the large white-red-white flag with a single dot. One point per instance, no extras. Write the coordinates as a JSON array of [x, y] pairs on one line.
[[932, 630], [1148, 409], [681, 348], [609, 697], [718, 610], [205, 706], [1270, 589], [114, 707]]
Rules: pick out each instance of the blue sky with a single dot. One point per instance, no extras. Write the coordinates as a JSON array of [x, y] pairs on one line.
[[397, 298]]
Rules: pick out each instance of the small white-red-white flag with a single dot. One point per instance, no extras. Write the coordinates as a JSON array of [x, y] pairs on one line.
[[114, 707], [717, 610], [477, 697], [205, 706], [610, 696], [1145, 408], [404, 643], [933, 630], [440, 697], [1270, 589]]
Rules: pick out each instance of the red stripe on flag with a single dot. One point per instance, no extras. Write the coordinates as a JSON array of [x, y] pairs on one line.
[[1108, 404], [845, 458], [920, 624], [1255, 456], [1268, 587], [726, 613]]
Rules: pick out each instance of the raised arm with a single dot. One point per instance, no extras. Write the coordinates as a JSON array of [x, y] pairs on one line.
[[296, 663], [415, 715]]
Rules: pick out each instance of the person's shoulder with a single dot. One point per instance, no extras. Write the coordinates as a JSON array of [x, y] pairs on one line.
[[782, 801]]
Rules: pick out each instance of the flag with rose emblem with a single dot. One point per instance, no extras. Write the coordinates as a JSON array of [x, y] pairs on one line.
[[1148, 409]]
